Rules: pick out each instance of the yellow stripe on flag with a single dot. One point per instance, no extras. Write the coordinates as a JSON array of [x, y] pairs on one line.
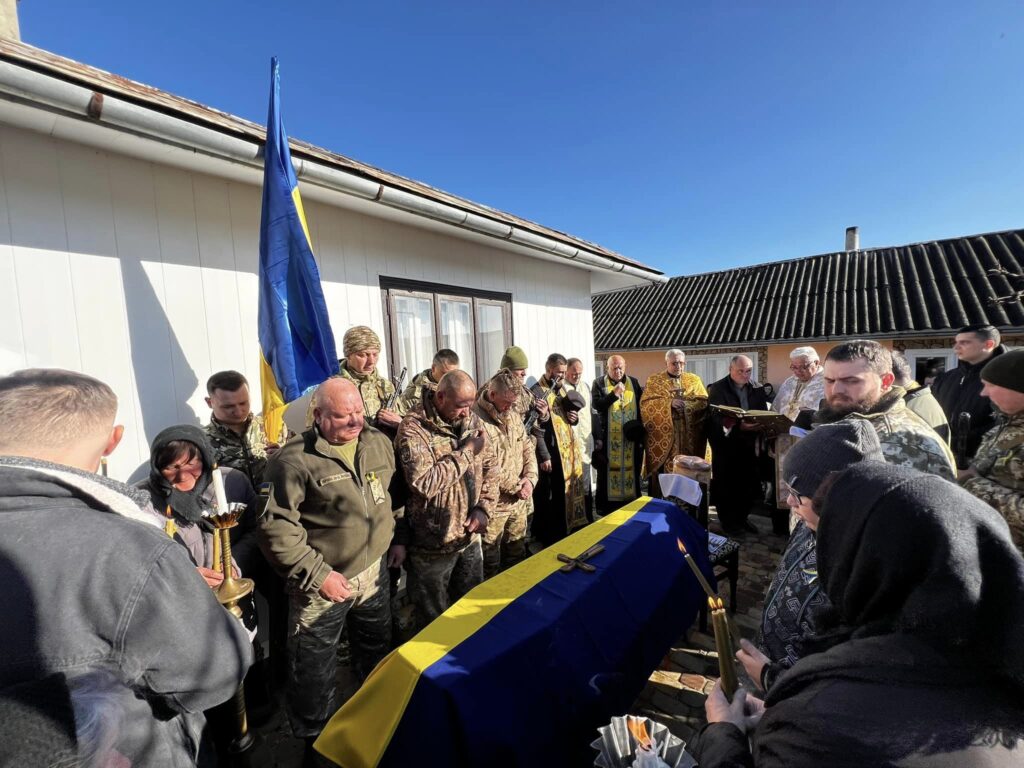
[[297, 199], [359, 733], [273, 402]]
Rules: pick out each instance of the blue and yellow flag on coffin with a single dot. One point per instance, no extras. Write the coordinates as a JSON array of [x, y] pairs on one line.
[[297, 349], [522, 671]]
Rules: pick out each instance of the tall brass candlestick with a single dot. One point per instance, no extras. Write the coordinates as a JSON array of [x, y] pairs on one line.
[[720, 625], [229, 593]]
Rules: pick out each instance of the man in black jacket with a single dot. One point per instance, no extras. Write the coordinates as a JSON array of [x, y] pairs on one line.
[[736, 466], [618, 453], [959, 390]]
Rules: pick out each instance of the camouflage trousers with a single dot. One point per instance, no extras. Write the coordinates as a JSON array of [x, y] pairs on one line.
[[504, 541], [438, 579], [315, 627]]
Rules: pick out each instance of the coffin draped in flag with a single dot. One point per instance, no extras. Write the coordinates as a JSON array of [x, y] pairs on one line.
[[525, 668], [296, 342]]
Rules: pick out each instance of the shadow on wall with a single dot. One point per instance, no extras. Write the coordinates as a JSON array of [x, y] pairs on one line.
[[164, 378]]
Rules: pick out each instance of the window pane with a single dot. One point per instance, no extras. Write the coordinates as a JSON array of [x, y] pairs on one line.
[[457, 331], [490, 327], [414, 324]]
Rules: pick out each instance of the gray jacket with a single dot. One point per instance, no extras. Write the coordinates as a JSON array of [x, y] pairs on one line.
[[91, 582]]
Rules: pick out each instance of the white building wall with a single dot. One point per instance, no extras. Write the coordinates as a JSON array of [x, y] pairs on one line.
[[145, 276]]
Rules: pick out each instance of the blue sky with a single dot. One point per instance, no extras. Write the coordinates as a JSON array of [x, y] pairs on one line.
[[692, 136]]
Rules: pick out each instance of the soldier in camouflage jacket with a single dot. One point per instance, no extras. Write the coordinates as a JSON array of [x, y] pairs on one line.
[[424, 383], [245, 451], [996, 474], [452, 476], [504, 542], [906, 439]]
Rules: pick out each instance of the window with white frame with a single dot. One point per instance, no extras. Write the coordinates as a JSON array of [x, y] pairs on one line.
[[423, 318]]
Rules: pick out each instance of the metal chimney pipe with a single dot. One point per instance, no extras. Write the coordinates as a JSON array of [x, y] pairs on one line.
[[9, 20], [852, 238]]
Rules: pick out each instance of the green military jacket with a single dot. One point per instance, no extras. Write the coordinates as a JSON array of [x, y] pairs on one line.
[[324, 515], [999, 463], [373, 388], [420, 385], [246, 452]]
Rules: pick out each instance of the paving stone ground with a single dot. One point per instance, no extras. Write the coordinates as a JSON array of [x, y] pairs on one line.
[[676, 702]]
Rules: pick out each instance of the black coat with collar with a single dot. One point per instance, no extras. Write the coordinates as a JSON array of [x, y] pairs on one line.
[[721, 392]]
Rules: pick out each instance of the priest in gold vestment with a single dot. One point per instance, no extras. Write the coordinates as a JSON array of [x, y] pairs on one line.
[[673, 408]]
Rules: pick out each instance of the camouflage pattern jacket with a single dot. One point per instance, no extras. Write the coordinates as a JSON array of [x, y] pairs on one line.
[[420, 385], [445, 480], [246, 452], [513, 450], [905, 437], [373, 388], [999, 463]]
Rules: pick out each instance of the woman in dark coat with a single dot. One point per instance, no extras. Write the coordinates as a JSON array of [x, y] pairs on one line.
[[922, 662]]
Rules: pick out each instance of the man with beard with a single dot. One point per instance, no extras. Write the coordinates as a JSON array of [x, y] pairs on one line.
[[504, 542], [452, 476], [558, 502], [618, 437], [859, 385]]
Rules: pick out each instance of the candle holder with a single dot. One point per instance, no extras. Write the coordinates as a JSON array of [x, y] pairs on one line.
[[231, 590], [229, 593]]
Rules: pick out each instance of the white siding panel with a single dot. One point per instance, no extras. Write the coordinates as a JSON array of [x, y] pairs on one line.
[[183, 298], [219, 281], [149, 333], [12, 340], [147, 277]]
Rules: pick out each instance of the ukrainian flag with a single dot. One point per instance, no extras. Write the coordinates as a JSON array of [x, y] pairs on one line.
[[522, 671], [296, 342]]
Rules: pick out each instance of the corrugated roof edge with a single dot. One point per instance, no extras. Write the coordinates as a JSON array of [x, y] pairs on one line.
[[763, 264], [147, 96]]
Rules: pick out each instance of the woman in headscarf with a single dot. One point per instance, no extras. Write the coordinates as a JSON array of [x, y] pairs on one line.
[[795, 592], [923, 665], [181, 489]]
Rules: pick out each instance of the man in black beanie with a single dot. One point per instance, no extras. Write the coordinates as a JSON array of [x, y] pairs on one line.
[[996, 474]]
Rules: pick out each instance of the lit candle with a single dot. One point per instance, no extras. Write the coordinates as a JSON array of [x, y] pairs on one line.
[[218, 491]]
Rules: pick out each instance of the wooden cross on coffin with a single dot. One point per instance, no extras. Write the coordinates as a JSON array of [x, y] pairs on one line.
[[572, 563]]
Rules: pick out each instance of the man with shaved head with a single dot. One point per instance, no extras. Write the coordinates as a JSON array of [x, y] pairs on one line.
[[452, 475], [737, 453], [329, 530]]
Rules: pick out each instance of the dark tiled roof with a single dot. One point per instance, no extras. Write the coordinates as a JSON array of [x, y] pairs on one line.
[[925, 288]]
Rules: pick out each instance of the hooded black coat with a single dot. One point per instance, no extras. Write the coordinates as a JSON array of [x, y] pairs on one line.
[[923, 664]]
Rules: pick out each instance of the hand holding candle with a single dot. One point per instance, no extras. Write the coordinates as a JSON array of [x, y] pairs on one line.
[[218, 491]]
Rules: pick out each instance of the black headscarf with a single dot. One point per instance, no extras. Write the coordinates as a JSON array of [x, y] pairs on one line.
[[905, 553], [187, 504]]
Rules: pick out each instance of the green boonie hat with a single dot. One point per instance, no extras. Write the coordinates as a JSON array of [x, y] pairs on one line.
[[514, 359], [1006, 370]]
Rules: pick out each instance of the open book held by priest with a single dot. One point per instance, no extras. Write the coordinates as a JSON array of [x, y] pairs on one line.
[[772, 422]]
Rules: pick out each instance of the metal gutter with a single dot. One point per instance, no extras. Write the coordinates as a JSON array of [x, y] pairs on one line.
[[82, 108]]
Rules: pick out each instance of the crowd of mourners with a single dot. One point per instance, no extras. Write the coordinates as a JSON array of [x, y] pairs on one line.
[[890, 633]]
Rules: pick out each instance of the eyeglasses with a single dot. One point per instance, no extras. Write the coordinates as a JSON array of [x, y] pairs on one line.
[[797, 496], [804, 367], [194, 465]]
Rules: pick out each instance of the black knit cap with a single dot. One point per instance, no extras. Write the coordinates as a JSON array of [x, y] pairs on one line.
[[1006, 370], [829, 448]]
